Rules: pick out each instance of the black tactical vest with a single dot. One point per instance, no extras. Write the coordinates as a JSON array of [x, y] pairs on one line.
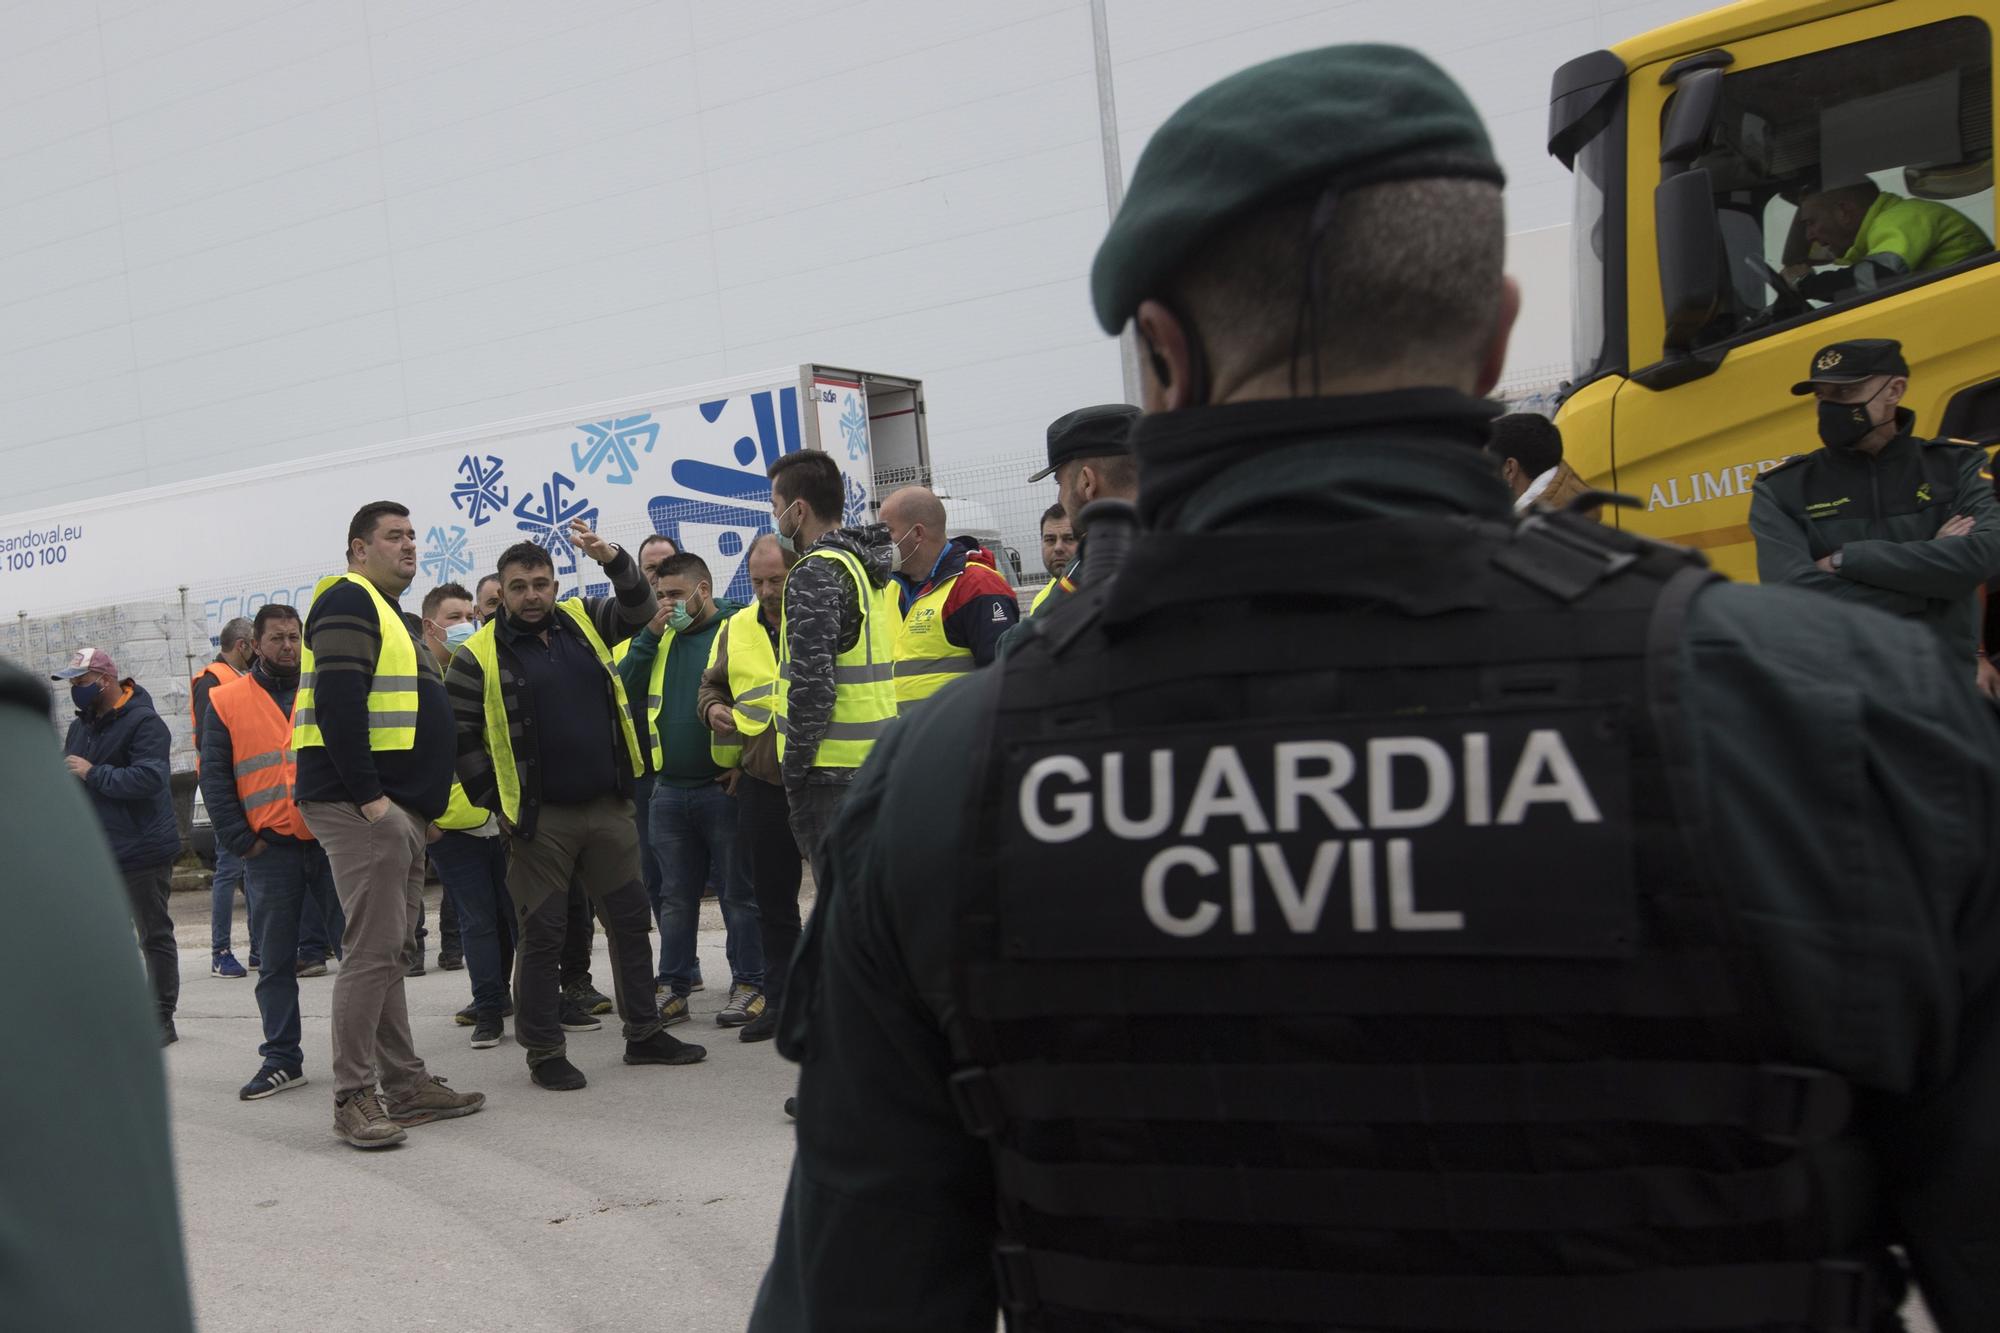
[[1336, 954]]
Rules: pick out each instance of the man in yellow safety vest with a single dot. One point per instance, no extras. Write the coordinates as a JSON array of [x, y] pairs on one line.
[[546, 741], [837, 648], [738, 693], [372, 729], [955, 604]]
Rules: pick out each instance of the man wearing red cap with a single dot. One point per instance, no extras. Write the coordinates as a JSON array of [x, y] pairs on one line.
[[118, 748]]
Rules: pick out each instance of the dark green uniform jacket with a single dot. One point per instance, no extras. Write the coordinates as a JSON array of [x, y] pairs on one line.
[[90, 1234], [1883, 514], [1853, 781]]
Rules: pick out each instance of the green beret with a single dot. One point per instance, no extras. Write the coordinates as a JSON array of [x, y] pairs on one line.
[[1341, 116]]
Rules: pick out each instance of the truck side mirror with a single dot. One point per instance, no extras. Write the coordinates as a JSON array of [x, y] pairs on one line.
[[1690, 252], [1690, 119]]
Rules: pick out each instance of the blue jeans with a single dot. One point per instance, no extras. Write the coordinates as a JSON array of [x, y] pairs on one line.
[[285, 881], [474, 871], [694, 837], [222, 901]]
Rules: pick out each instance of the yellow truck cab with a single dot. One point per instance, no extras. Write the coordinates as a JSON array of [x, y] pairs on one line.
[[1717, 162]]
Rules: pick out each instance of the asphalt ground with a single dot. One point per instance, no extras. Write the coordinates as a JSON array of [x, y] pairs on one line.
[[647, 1200]]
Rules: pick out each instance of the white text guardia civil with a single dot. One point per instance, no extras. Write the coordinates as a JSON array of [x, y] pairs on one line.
[[1184, 887]]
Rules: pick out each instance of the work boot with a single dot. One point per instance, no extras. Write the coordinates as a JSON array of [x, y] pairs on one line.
[[434, 1101], [660, 1049], [416, 965], [451, 962], [361, 1120]]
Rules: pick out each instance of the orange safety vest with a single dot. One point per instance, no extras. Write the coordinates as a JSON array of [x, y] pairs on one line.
[[266, 765], [215, 669]]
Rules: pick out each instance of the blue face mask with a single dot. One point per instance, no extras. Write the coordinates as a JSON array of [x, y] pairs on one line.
[[680, 620], [456, 635], [787, 542], [85, 697]]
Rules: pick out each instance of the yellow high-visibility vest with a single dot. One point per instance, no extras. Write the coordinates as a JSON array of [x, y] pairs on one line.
[[925, 659], [392, 694], [864, 677], [485, 649], [656, 687], [753, 681], [461, 813]]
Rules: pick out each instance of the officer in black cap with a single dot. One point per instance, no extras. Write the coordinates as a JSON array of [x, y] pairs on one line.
[[1877, 516], [1090, 460], [1477, 925]]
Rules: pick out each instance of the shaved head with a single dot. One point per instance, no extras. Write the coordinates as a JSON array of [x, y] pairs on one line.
[[913, 505]]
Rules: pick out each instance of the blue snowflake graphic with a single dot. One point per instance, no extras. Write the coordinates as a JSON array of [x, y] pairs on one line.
[[854, 427], [483, 493], [613, 446], [547, 525], [446, 555], [855, 511]]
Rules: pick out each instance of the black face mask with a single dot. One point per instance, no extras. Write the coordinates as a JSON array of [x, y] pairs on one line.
[[520, 626], [1843, 425], [281, 675]]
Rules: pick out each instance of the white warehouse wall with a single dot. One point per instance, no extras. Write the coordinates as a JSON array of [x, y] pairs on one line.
[[234, 232]]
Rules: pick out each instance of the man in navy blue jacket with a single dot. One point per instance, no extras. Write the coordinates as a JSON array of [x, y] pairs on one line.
[[118, 747]]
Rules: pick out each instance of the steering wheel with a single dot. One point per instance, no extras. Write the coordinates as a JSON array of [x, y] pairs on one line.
[[1789, 297]]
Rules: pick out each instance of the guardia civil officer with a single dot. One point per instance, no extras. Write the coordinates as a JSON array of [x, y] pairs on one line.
[[1477, 925], [1091, 460], [1878, 516]]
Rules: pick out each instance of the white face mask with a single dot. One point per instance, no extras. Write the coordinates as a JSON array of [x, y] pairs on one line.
[[901, 558]]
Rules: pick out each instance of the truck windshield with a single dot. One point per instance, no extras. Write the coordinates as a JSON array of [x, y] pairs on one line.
[[1589, 271], [1845, 173]]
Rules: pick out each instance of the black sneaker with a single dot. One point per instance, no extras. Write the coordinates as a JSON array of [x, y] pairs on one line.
[[270, 1082], [557, 1075], [469, 1016], [661, 1049], [167, 1034], [593, 1000], [416, 967], [451, 962], [574, 1019], [761, 1028], [486, 1032]]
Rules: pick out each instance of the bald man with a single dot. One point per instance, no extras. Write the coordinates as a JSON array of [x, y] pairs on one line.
[[955, 603]]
